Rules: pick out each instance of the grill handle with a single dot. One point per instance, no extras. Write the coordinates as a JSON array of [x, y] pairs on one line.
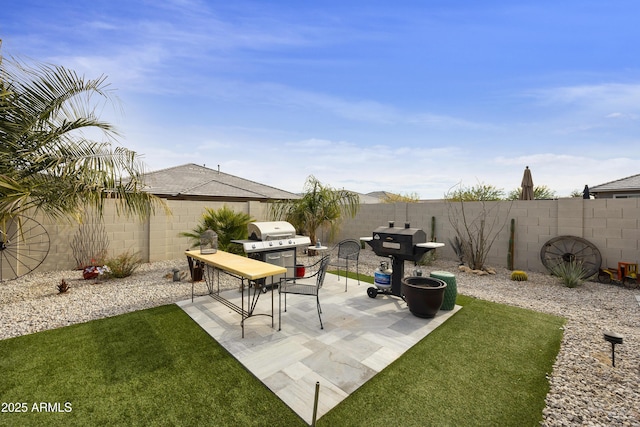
[[278, 236]]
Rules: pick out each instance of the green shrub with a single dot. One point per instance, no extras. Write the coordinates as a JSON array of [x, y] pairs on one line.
[[428, 258], [571, 273], [124, 264], [228, 225], [519, 276]]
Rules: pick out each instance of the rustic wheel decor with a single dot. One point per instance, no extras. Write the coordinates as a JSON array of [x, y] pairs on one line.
[[24, 245], [571, 248]]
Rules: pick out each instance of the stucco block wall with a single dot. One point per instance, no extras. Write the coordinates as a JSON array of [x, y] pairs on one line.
[[612, 225], [156, 238]]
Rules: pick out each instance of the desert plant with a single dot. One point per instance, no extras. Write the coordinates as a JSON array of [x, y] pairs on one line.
[[479, 192], [433, 229], [457, 247], [63, 287], [228, 225], [428, 258], [540, 192], [511, 250], [90, 242], [400, 198], [477, 223], [124, 264], [571, 273], [519, 276]]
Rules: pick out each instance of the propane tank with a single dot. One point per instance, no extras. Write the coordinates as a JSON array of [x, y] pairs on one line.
[[382, 276]]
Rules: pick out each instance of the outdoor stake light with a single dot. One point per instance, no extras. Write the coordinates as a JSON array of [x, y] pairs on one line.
[[614, 339]]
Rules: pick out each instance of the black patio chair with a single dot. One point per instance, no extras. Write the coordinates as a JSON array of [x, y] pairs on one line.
[[293, 286], [348, 251]]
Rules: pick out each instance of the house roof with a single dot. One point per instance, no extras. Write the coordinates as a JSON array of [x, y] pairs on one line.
[[368, 198], [630, 183], [195, 181]]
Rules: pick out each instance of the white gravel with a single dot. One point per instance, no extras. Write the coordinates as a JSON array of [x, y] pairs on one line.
[[585, 390]]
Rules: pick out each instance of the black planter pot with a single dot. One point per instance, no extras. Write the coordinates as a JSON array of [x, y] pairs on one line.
[[424, 295]]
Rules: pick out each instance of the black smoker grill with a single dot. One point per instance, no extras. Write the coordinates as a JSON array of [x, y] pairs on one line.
[[400, 244]]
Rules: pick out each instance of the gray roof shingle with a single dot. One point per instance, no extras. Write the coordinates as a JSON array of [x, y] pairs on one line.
[[623, 184], [192, 181]]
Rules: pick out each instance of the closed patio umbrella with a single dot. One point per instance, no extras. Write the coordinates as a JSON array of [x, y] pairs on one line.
[[527, 185]]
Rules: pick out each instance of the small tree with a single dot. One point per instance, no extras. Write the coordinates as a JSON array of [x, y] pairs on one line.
[[228, 225], [400, 198], [475, 232], [320, 206], [540, 192], [480, 192]]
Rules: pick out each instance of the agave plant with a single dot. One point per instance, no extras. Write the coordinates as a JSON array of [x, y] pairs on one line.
[[571, 273]]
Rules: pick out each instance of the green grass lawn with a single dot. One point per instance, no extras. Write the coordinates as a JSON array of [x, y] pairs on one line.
[[151, 367], [487, 365]]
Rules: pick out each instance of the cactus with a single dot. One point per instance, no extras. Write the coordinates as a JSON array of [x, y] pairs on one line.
[[510, 251], [433, 228], [519, 276]]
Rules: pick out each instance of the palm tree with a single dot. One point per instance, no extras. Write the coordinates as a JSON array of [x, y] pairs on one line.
[[320, 206], [46, 162]]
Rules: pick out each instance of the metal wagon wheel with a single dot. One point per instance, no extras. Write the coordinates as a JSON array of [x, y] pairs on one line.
[[630, 282], [565, 249], [24, 245]]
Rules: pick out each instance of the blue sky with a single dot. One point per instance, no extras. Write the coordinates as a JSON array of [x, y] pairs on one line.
[[413, 97]]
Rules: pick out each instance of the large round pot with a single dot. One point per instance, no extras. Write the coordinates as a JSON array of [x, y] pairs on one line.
[[424, 295]]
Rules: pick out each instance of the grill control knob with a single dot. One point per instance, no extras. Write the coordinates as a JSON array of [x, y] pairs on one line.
[[253, 246], [280, 242], [270, 243]]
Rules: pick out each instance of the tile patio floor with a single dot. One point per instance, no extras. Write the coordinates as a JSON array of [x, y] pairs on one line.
[[361, 336]]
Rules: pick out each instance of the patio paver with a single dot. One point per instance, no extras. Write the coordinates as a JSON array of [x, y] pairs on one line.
[[361, 336]]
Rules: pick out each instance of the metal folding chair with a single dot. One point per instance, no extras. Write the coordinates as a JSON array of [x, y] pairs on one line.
[[348, 251], [293, 286]]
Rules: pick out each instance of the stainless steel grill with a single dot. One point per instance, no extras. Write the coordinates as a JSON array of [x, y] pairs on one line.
[[274, 242]]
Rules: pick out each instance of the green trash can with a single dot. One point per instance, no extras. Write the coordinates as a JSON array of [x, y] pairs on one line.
[[451, 292]]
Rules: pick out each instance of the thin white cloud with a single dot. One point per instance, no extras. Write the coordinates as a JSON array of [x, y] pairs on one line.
[[613, 97]]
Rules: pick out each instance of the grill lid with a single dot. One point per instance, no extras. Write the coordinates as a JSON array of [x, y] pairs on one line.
[[403, 243], [270, 230], [406, 234]]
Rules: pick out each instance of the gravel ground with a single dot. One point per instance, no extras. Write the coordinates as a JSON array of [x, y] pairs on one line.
[[585, 390]]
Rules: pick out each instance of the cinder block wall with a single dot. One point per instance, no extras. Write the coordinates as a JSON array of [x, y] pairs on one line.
[[156, 238], [612, 225]]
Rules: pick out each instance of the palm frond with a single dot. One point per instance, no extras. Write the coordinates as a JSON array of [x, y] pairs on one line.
[[46, 163]]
